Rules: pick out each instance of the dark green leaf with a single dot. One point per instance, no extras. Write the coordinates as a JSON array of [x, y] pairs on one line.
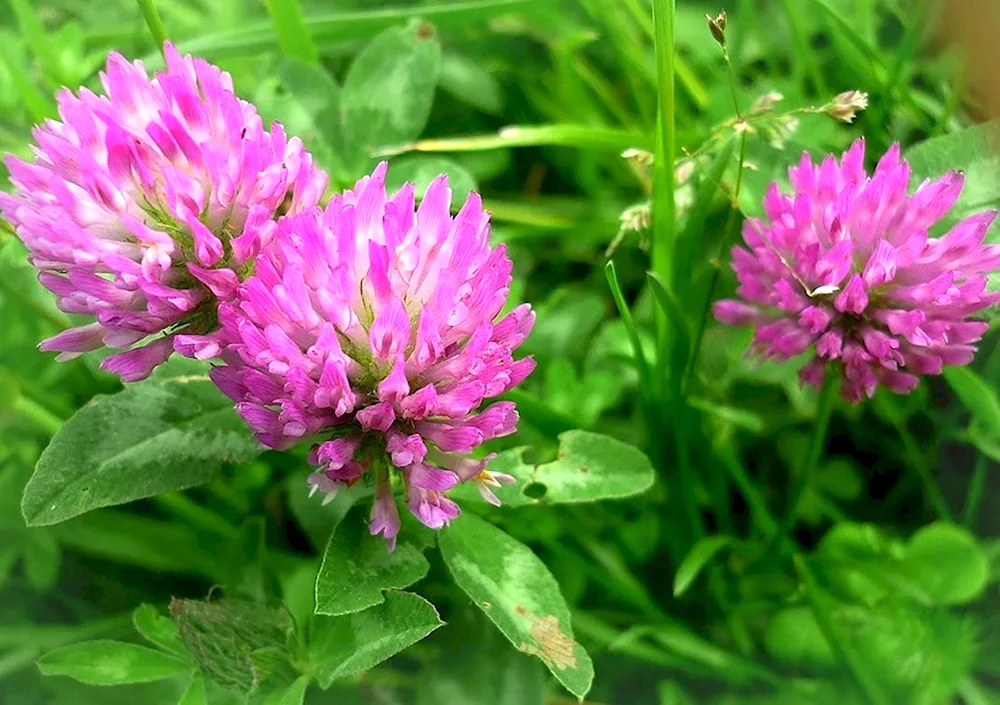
[[468, 81], [164, 434], [295, 694], [239, 645], [973, 151], [357, 567], [422, 170], [346, 645], [389, 90], [158, 630], [518, 593], [105, 662]]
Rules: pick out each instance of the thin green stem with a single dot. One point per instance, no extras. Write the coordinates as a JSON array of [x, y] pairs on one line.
[[974, 495], [851, 660], [663, 173], [817, 440], [727, 237], [153, 21]]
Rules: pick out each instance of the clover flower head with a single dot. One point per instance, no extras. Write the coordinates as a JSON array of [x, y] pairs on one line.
[[844, 267], [142, 207], [373, 325]]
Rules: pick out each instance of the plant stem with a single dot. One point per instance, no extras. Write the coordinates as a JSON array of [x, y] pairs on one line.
[[817, 439], [663, 172], [848, 657], [727, 238], [153, 21]]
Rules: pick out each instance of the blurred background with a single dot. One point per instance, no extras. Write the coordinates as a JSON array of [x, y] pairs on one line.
[[901, 519]]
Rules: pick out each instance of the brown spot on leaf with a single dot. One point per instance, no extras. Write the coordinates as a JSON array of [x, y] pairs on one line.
[[584, 468], [425, 30], [552, 644]]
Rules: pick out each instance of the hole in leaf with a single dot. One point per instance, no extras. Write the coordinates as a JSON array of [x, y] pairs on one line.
[[535, 490]]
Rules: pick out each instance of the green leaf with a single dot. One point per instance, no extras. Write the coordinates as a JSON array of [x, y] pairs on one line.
[[468, 81], [158, 629], [295, 694], [947, 563], [346, 645], [238, 644], [195, 693], [357, 567], [164, 434], [589, 467], [794, 636], [481, 667], [696, 559], [518, 593], [973, 151], [106, 662], [978, 396], [422, 170], [306, 99], [390, 87]]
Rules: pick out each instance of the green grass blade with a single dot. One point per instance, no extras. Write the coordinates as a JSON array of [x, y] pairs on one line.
[[584, 136], [153, 21], [294, 38], [39, 105], [38, 41], [327, 30]]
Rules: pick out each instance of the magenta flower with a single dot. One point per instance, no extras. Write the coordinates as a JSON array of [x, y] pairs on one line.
[[141, 208], [373, 325], [845, 267]]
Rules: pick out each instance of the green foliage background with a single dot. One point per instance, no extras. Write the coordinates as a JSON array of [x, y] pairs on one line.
[[159, 557]]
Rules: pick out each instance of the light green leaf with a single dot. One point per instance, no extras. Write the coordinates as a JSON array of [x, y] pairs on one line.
[[158, 629], [977, 395], [195, 693], [390, 87], [295, 694], [518, 593], [700, 554], [973, 151], [357, 567], [161, 435], [422, 170], [106, 662], [793, 636], [294, 38], [947, 563], [346, 645], [589, 467], [306, 100]]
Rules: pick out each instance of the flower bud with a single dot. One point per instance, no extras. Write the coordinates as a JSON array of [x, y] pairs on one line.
[[717, 26], [846, 105]]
